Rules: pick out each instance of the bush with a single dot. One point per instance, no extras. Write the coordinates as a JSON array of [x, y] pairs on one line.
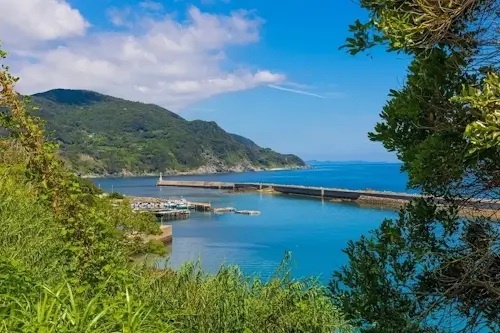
[[116, 195]]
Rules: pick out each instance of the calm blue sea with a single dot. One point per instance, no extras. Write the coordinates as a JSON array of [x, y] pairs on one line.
[[314, 231]]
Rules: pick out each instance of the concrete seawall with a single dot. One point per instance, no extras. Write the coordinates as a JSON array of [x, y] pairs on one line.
[[393, 199], [321, 192]]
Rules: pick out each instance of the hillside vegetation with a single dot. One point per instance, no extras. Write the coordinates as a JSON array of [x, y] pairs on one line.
[[104, 135]]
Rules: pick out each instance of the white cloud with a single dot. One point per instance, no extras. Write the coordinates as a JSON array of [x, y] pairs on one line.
[[156, 59], [27, 22], [119, 16], [295, 91], [151, 5], [266, 76]]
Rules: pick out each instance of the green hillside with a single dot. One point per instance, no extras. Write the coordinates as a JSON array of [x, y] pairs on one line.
[[104, 135]]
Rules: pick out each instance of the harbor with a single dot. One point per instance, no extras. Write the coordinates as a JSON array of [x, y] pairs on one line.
[[177, 209], [394, 200]]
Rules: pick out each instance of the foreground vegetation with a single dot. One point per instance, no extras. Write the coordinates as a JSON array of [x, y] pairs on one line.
[[65, 258], [429, 270], [105, 135]]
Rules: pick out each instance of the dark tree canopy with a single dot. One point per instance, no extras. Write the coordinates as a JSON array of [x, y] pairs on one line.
[[437, 267]]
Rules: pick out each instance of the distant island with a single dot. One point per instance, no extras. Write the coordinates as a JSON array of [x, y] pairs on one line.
[[102, 135]]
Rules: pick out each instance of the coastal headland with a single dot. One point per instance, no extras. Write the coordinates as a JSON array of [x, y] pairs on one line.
[[382, 199]]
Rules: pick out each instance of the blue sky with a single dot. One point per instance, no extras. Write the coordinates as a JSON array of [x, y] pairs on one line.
[[268, 70]]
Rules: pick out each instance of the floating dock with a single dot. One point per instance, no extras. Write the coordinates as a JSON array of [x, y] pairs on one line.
[[247, 212], [174, 214], [224, 210]]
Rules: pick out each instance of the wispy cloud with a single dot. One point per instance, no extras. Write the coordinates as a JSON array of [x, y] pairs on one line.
[[211, 2], [151, 5], [296, 85], [295, 91]]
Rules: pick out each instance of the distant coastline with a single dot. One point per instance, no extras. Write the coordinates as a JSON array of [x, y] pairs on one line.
[[196, 172], [317, 162]]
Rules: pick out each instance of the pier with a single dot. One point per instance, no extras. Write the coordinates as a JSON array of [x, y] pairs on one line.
[[175, 209], [381, 198], [173, 214], [200, 206]]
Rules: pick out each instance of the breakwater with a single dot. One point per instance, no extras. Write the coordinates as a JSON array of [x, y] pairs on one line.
[[382, 198]]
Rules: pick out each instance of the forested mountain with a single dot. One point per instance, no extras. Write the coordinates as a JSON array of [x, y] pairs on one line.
[[105, 135]]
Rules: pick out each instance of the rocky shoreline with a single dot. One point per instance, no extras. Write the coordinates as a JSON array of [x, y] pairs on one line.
[[203, 170]]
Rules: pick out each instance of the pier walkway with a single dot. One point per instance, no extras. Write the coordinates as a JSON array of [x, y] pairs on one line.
[[324, 192]]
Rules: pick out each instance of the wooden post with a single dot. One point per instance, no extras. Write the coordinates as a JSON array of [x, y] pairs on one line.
[[322, 192]]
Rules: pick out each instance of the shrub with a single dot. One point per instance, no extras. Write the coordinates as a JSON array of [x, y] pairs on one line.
[[116, 195]]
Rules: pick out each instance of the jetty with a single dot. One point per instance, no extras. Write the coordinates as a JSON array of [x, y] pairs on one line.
[[247, 212], [200, 206], [377, 198], [224, 210], [173, 214]]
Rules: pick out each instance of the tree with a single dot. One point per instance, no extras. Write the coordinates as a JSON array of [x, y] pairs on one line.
[[437, 267], [94, 248]]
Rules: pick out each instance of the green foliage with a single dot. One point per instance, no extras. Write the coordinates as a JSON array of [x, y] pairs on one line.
[[87, 186], [101, 134], [184, 301], [412, 26], [115, 195], [422, 125], [429, 270], [392, 281], [62, 310], [485, 103], [232, 302]]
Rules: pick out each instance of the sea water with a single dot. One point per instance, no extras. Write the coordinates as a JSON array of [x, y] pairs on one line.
[[315, 231]]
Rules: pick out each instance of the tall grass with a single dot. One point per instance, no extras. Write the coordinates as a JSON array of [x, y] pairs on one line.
[[28, 234]]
